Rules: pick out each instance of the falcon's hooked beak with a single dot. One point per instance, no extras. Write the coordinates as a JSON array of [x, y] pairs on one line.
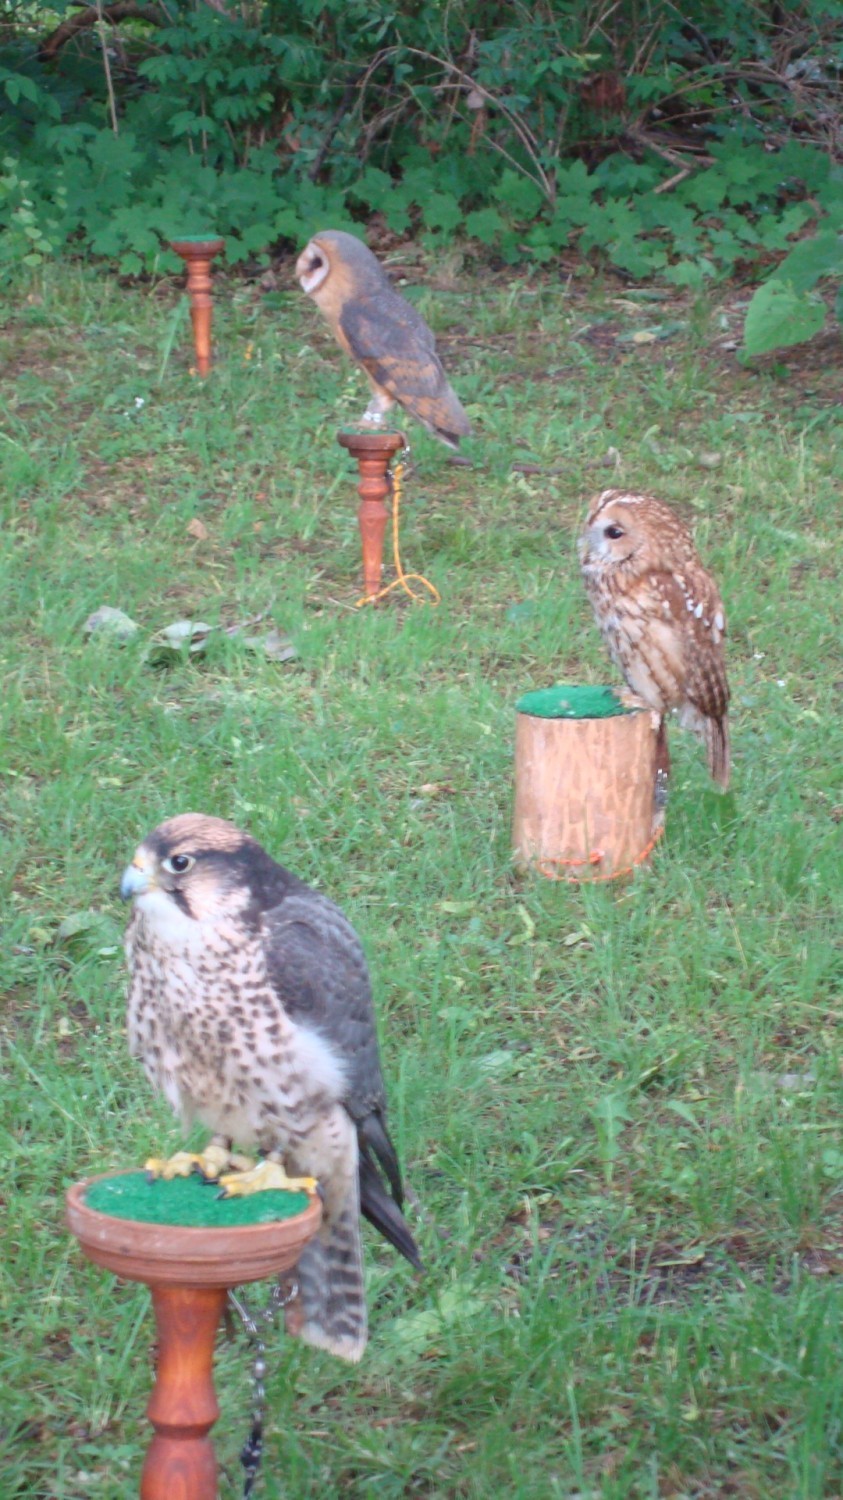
[[137, 879]]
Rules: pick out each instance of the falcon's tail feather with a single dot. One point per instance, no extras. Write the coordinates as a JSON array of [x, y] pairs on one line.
[[330, 1309], [384, 1213]]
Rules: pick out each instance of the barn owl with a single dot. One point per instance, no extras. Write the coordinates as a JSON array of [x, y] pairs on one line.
[[382, 332], [660, 614], [251, 1011]]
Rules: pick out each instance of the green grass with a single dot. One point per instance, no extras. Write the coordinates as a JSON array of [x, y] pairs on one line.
[[618, 1107]]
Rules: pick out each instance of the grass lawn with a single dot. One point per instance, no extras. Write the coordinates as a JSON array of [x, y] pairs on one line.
[[618, 1107]]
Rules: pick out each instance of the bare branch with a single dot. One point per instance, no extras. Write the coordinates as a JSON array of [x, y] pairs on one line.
[[122, 10]]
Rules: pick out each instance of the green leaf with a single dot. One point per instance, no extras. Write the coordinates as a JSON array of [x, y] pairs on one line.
[[521, 197], [484, 224], [706, 191], [612, 1112], [442, 211], [684, 1111], [690, 273], [812, 259], [779, 316]]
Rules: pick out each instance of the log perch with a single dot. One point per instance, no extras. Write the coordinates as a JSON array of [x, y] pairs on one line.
[[588, 796]]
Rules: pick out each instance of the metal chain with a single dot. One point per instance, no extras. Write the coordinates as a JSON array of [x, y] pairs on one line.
[[253, 1323]]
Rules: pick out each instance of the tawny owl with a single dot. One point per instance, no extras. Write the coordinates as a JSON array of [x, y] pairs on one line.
[[382, 332], [660, 614]]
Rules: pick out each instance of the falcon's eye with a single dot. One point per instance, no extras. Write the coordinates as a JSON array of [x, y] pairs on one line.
[[179, 864], [614, 532]]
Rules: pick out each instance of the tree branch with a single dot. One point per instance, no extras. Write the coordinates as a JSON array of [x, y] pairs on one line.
[[121, 10]]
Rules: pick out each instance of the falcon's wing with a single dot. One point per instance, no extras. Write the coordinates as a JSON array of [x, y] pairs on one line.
[[397, 350], [318, 971]]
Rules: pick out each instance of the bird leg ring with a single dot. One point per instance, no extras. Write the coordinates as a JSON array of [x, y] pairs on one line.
[[266, 1177], [377, 409], [211, 1163]]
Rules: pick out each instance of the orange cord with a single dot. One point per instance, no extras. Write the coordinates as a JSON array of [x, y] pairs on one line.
[[402, 580], [594, 859]]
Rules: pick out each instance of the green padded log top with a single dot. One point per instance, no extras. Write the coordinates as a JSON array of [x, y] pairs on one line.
[[563, 702], [187, 1201]]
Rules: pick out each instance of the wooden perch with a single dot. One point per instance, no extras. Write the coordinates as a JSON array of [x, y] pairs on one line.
[[586, 805]]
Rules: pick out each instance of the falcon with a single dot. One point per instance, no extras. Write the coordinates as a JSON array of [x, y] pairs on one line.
[[250, 1009], [383, 332]]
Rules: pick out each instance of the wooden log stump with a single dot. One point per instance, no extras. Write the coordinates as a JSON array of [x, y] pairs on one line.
[[373, 452], [588, 793], [197, 253], [189, 1269]]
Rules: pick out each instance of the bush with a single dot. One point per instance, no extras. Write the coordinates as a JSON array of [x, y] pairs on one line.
[[530, 130]]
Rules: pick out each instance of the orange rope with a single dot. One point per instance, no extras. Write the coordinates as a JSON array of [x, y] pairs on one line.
[[594, 859], [402, 579]]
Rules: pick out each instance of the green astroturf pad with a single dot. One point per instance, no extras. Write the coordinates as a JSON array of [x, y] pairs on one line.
[[187, 1201], [563, 702], [196, 239]]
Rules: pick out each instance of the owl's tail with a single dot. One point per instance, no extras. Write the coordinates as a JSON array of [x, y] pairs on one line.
[[330, 1310], [717, 746]]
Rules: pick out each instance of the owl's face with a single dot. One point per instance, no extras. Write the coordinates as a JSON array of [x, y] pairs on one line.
[[312, 267], [619, 532]]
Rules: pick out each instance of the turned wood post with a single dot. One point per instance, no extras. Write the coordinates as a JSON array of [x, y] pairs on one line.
[[588, 794], [188, 1270], [197, 255], [180, 1462], [373, 452]]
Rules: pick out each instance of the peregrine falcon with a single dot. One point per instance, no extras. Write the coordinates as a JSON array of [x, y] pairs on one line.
[[251, 1010]]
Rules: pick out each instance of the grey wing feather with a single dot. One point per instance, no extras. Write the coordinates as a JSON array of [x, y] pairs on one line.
[[375, 323], [319, 972], [388, 333]]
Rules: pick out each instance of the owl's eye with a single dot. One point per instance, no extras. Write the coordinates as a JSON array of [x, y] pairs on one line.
[[179, 864], [613, 532]]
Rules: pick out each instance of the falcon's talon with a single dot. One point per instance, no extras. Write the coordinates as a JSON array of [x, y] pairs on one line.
[[209, 1164], [182, 1164], [266, 1177]]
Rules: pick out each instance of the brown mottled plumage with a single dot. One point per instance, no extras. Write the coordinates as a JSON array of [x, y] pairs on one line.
[[382, 332], [250, 1009], [660, 614]]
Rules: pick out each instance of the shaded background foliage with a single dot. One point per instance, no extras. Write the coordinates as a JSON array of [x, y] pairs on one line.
[[683, 140]]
